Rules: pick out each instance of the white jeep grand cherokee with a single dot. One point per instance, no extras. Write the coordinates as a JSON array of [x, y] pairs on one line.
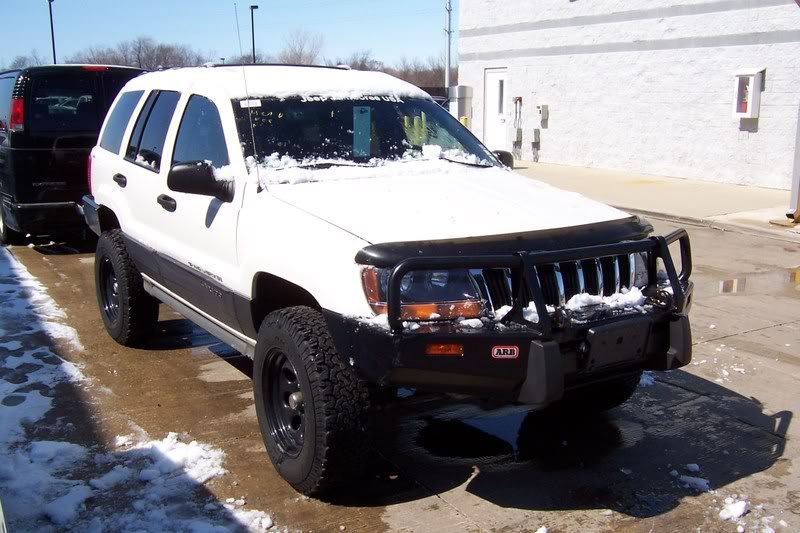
[[350, 236]]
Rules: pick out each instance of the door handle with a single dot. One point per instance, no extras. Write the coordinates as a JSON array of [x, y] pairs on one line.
[[121, 180], [167, 202]]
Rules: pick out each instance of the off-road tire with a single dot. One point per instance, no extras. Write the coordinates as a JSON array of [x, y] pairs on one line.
[[603, 396], [335, 405], [137, 313], [8, 235]]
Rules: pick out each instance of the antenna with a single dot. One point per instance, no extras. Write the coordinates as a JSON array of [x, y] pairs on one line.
[[247, 95]]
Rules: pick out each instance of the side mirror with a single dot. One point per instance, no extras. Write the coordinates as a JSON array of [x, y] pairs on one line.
[[507, 158], [197, 177]]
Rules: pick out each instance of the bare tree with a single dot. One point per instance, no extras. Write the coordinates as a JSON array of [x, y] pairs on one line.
[[246, 59], [30, 60], [301, 48], [359, 60], [142, 52]]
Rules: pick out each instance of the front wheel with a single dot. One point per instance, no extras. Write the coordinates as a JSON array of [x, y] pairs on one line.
[[129, 314], [311, 406]]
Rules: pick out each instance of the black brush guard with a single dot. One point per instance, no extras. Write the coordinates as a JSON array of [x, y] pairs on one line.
[[525, 283]]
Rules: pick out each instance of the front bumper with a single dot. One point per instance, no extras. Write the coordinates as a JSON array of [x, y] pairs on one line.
[[520, 361]]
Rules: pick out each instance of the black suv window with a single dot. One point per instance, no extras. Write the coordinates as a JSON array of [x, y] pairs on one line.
[[200, 136], [150, 131], [65, 102], [118, 121], [6, 88]]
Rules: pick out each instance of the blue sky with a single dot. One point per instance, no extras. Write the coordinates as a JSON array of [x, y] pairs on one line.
[[392, 29]]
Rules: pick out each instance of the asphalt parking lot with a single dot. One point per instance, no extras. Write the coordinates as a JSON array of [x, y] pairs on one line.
[[440, 466]]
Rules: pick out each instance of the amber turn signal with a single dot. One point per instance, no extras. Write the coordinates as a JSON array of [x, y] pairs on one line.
[[446, 350]]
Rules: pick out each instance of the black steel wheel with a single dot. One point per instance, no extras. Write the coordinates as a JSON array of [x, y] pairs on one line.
[[129, 314], [286, 409], [311, 406], [109, 290]]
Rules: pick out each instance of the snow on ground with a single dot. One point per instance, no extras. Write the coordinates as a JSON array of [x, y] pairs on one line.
[[733, 509], [140, 484], [647, 379]]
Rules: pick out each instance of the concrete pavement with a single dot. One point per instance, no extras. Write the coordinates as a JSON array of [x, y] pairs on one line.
[[747, 208], [440, 467]]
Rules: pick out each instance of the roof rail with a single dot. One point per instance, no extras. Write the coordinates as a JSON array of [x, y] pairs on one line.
[[334, 67]]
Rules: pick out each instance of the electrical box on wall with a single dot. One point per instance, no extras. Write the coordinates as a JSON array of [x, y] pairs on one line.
[[747, 93]]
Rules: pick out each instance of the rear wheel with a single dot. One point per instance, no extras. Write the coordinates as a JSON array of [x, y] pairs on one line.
[[8, 235], [129, 314], [311, 406]]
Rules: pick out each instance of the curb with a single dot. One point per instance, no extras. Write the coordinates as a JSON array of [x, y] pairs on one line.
[[784, 235]]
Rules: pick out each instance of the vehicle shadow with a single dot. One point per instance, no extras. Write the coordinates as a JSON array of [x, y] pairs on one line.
[[59, 471], [630, 460], [47, 246]]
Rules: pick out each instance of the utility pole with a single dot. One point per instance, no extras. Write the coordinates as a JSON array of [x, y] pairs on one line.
[[449, 33], [253, 30], [52, 33]]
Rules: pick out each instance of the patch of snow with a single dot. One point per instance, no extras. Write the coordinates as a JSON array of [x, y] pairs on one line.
[[474, 323], [696, 483], [626, 471], [733, 509], [712, 326], [623, 299], [47, 483], [542, 529], [647, 379]]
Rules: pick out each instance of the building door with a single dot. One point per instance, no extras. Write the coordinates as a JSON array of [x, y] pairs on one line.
[[495, 105]]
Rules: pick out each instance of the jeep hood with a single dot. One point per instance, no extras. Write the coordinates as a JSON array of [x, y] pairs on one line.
[[432, 200]]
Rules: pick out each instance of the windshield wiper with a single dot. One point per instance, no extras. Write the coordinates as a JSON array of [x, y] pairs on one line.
[[462, 162], [325, 164]]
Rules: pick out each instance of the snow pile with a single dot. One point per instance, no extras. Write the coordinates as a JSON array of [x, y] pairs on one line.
[[152, 485], [626, 298], [259, 81], [733, 509], [529, 312], [647, 379], [696, 483], [27, 308]]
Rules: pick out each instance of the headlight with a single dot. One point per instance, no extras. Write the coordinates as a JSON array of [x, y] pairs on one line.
[[425, 294]]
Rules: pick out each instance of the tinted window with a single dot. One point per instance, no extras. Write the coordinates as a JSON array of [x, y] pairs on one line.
[[64, 102], [118, 121], [200, 136], [113, 81], [156, 118], [6, 87]]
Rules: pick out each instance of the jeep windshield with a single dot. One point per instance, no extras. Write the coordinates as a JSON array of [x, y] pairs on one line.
[[316, 132]]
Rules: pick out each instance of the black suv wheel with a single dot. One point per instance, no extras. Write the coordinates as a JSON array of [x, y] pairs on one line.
[[311, 407], [129, 313], [8, 235]]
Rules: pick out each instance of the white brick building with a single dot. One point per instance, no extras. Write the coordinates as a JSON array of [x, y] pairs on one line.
[[640, 85]]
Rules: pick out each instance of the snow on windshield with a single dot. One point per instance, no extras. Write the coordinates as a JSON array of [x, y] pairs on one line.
[[432, 159]]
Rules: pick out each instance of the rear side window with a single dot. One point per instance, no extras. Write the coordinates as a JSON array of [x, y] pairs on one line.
[[150, 131], [118, 121], [64, 103], [200, 136], [6, 88]]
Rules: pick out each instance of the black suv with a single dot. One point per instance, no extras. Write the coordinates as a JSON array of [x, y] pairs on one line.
[[49, 120]]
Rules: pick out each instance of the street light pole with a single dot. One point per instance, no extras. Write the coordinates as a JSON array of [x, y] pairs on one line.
[[253, 30], [449, 33], [52, 33]]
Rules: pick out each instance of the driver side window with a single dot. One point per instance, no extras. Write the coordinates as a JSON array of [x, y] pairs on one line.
[[200, 136]]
